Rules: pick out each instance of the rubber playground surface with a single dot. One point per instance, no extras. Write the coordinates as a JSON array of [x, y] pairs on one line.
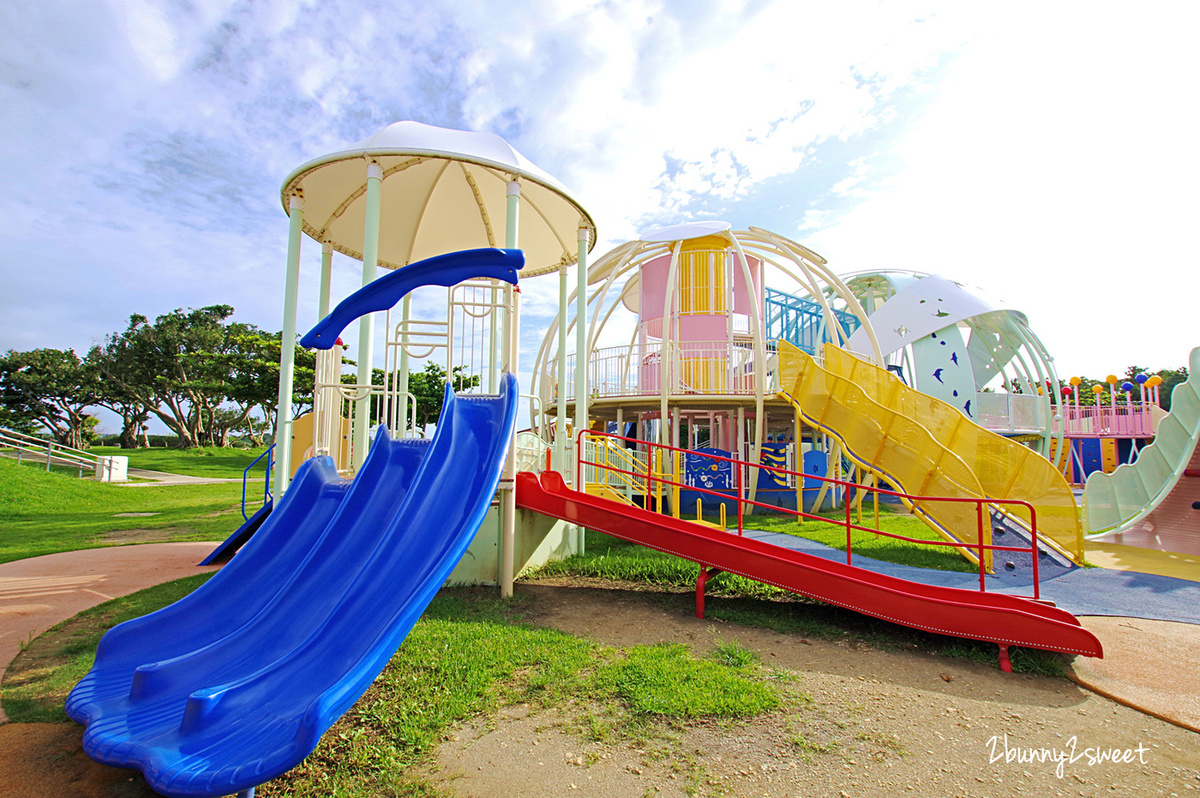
[[1148, 623]]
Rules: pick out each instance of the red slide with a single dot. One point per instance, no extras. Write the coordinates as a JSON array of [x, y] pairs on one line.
[[995, 617]]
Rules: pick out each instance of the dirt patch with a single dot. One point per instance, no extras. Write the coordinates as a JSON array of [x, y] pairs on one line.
[[219, 513], [46, 760], [876, 722], [160, 535]]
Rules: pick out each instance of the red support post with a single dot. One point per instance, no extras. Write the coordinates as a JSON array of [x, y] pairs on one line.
[[979, 530], [701, 582], [846, 503]]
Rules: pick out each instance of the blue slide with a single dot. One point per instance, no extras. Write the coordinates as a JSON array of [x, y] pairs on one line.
[[298, 532], [449, 269], [234, 685], [249, 706]]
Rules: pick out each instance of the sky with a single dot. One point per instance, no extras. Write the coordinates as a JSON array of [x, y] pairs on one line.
[[1045, 151]]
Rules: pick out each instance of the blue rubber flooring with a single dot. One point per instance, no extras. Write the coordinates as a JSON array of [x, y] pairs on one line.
[[1079, 591]]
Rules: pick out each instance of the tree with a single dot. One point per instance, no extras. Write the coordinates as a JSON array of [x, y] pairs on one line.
[[198, 372], [1170, 378], [428, 387], [259, 380], [50, 388], [127, 404]]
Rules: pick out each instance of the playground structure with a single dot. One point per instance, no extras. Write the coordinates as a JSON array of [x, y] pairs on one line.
[[1150, 501], [728, 391], [1105, 434], [715, 358]]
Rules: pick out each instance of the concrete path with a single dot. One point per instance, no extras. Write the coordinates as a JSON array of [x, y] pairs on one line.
[[39, 592], [1146, 666], [164, 478]]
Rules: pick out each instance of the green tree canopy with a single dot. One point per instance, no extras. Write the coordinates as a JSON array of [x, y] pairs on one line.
[[428, 387], [197, 371], [50, 388]]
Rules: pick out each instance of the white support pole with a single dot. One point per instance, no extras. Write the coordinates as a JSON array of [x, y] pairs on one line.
[[667, 369], [326, 279], [508, 494], [402, 389], [287, 349], [581, 353], [366, 326], [560, 421], [760, 359]]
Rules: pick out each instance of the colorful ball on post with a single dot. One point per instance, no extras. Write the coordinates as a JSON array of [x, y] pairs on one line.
[[1097, 389], [1111, 379], [1141, 378], [1154, 381], [1067, 390], [1075, 381], [1127, 386]]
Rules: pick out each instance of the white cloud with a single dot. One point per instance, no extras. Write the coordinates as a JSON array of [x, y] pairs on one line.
[[1048, 146]]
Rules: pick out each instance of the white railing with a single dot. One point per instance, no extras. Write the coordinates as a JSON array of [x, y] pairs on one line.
[[1009, 412], [27, 447], [1131, 420], [531, 452], [693, 367]]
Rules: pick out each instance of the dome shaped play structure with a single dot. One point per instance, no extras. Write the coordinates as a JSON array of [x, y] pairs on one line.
[[949, 341], [698, 362], [811, 379]]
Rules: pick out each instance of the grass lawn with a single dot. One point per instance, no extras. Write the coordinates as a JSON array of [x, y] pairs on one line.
[[216, 463], [44, 513]]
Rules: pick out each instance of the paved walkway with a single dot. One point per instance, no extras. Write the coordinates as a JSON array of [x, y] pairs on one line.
[[39, 592], [1144, 666], [163, 478]]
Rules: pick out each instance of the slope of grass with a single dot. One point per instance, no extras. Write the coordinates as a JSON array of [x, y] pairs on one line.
[[213, 462], [44, 513]]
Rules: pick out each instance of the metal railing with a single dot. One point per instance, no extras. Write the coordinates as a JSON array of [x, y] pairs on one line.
[[49, 452], [269, 454], [693, 367], [742, 469], [1133, 420], [1007, 412], [623, 472]]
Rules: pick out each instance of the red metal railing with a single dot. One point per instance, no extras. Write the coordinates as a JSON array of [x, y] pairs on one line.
[[742, 468]]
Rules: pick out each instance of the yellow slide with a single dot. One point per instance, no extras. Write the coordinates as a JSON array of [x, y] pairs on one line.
[[927, 447]]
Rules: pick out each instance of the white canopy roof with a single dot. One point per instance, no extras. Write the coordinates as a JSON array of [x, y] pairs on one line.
[[923, 306], [443, 190]]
